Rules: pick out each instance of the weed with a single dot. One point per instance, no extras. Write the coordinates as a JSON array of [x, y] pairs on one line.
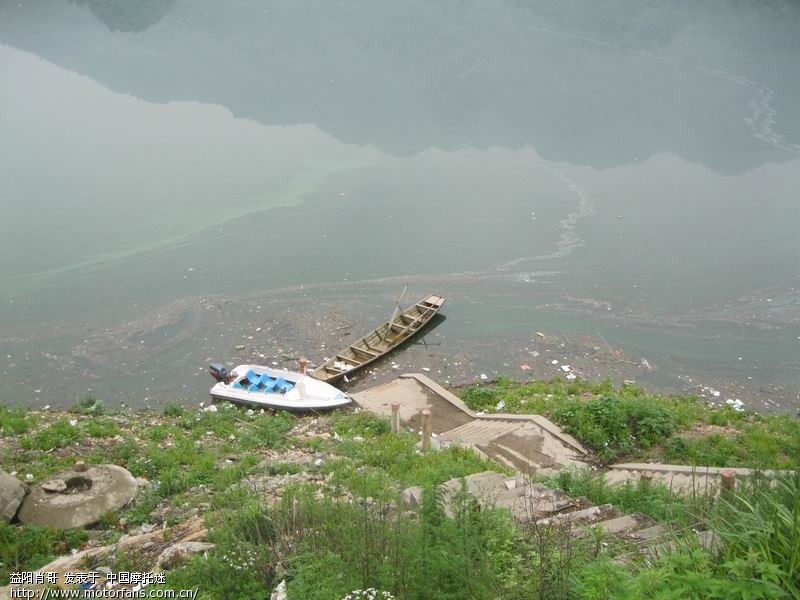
[[364, 424], [26, 548], [173, 409], [56, 435], [89, 405], [14, 421]]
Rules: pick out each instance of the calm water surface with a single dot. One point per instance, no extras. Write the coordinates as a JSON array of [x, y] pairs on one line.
[[625, 173]]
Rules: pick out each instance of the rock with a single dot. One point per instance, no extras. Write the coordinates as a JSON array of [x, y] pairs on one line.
[[88, 495], [412, 497], [12, 492], [55, 485], [80, 467], [279, 593], [175, 555]]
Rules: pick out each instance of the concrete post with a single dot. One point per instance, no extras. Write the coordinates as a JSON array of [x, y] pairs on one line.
[[303, 364], [395, 418], [646, 477], [426, 428], [728, 478]]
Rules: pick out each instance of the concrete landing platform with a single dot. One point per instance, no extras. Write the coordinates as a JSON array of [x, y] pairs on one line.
[[525, 443]]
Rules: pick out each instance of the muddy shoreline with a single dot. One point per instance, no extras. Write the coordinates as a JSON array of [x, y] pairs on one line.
[[162, 357]]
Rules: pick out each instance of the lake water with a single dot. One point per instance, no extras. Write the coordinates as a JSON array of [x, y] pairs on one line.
[[179, 178]]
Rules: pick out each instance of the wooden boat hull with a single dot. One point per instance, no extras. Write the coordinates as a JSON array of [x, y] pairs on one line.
[[304, 393], [381, 340]]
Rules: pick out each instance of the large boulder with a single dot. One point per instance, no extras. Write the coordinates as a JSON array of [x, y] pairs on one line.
[[78, 498], [12, 493]]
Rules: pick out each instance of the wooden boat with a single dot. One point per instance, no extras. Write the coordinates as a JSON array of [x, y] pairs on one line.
[[380, 341], [255, 385]]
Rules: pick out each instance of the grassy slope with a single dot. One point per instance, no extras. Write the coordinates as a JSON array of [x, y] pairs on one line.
[[338, 534], [630, 424]]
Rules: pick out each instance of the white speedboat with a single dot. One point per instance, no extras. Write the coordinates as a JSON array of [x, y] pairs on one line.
[[266, 387]]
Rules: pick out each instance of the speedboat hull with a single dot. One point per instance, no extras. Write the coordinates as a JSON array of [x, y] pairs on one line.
[[265, 387]]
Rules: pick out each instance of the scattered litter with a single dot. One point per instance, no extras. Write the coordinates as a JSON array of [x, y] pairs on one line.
[[554, 362], [484, 377], [500, 405], [571, 376], [525, 367], [210, 408], [73, 422], [539, 333], [565, 368], [737, 404], [426, 369], [341, 365], [534, 354], [240, 347]]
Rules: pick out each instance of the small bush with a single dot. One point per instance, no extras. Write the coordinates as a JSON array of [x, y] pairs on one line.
[[89, 405], [173, 409], [614, 426]]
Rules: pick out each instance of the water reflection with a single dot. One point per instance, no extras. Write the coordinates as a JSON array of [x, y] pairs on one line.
[[596, 85]]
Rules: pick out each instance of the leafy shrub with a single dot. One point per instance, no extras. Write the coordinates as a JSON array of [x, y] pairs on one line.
[[173, 409], [614, 426], [89, 405], [481, 398]]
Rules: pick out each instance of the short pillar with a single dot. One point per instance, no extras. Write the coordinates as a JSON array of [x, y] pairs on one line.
[[395, 418], [426, 428], [303, 364], [728, 478], [646, 477]]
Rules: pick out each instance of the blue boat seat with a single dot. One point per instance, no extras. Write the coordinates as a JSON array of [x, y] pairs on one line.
[[253, 387], [283, 385], [237, 385], [252, 376]]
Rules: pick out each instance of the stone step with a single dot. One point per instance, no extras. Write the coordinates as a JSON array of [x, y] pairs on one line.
[[520, 461], [618, 525], [479, 432], [648, 533], [586, 514]]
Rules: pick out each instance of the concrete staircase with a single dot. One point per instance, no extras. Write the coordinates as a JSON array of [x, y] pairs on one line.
[[534, 505]]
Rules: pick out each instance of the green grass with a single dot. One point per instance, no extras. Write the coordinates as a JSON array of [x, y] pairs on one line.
[[56, 435], [651, 499], [14, 421], [26, 548], [758, 557]]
